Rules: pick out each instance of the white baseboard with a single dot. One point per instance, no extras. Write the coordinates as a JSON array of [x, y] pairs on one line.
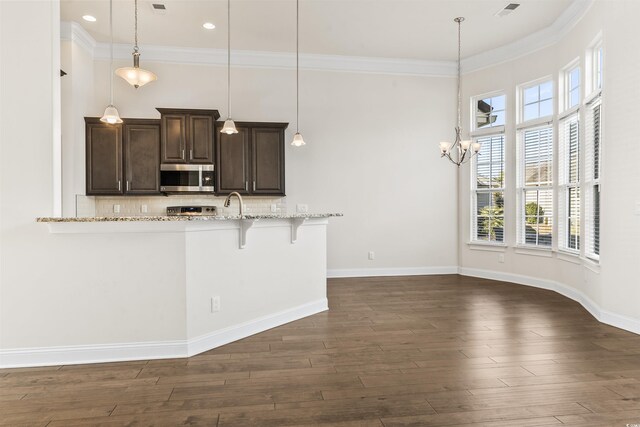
[[619, 321], [225, 336], [377, 272], [102, 353]]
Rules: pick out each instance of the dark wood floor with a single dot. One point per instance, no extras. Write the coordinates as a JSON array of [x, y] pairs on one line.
[[421, 351]]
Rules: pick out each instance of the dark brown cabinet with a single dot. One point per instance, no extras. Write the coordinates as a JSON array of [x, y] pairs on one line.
[[123, 158], [252, 161], [187, 136], [104, 157], [142, 156]]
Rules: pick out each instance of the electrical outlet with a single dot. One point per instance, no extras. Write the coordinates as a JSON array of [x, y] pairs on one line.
[[116, 208], [215, 304], [302, 208], [372, 255], [143, 208], [500, 257], [274, 208]]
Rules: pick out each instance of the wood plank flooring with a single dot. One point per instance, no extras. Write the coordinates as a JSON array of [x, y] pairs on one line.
[[404, 351]]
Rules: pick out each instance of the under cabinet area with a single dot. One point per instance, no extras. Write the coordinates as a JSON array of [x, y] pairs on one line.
[[187, 135], [122, 158], [252, 161]]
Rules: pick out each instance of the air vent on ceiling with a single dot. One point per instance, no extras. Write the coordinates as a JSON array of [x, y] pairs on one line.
[[158, 8], [508, 9]]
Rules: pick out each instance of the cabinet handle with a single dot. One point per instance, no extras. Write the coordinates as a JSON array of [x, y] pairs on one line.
[[128, 186], [119, 185], [191, 154], [246, 186], [182, 157], [254, 186]]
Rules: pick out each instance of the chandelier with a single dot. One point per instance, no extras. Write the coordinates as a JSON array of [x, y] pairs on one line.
[[460, 151]]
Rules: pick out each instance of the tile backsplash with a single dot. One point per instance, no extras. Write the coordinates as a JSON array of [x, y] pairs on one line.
[[87, 206]]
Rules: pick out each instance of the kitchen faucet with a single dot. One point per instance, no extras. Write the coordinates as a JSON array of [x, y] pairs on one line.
[[227, 201]]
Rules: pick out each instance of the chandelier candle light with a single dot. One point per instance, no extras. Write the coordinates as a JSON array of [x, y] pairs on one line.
[[463, 150], [111, 115], [135, 75], [229, 125], [297, 138]]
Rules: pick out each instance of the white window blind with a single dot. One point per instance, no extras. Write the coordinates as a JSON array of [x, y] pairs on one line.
[[488, 191], [535, 187], [593, 141], [569, 177]]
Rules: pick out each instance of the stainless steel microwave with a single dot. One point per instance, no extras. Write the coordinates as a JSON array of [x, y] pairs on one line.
[[186, 178]]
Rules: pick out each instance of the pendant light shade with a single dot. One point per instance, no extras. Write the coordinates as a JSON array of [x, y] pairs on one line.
[[111, 115], [229, 126], [298, 141], [135, 75]]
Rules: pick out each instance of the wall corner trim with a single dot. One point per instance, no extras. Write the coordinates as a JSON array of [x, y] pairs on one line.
[[607, 317], [102, 353]]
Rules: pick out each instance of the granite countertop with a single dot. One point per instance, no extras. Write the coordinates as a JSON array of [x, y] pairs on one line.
[[188, 218]]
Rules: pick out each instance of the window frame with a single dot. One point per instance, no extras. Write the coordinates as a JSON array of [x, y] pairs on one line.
[[592, 181], [566, 185], [520, 98], [475, 131], [475, 191], [522, 188], [565, 89]]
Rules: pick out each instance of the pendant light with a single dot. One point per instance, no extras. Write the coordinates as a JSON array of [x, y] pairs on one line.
[[111, 115], [297, 138], [460, 148], [229, 126], [135, 75]]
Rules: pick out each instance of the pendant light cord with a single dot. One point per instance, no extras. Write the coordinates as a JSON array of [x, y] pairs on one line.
[[297, 67], [111, 53], [459, 20], [228, 59], [135, 26]]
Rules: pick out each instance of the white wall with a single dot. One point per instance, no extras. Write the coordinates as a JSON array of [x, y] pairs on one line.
[[371, 150], [612, 286]]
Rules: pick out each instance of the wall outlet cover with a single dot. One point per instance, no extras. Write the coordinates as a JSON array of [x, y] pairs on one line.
[[116, 208], [302, 208]]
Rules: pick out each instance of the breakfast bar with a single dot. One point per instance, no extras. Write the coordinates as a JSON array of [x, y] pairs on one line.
[[162, 286]]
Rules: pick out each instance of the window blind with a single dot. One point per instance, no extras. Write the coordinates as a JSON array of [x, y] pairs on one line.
[[592, 178], [569, 176], [488, 190]]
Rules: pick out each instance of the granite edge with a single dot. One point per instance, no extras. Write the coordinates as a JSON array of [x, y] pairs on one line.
[[163, 218]]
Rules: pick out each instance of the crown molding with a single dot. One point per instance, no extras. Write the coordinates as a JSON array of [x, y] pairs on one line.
[[531, 43], [72, 31], [285, 60]]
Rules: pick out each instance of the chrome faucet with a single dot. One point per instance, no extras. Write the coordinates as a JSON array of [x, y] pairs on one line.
[[227, 201]]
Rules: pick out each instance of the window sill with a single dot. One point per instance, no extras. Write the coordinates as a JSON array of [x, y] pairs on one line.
[[487, 131], [489, 247], [534, 250], [572, 257], [541, 121], [592, 96], [569, 112], [591, 264]]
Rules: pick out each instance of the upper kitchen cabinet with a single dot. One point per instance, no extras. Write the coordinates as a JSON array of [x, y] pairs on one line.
[[252, 161], [142, 156], [104, 157], [187, 135], [123, 158]]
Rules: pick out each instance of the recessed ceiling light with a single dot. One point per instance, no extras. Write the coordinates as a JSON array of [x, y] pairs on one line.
[[208, 26], [89, 18]]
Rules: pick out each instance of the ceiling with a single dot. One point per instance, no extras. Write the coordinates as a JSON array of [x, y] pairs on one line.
[[412, 29]]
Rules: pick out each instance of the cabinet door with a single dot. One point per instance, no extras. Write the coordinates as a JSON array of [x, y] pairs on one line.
[[174, 138], [201, 139], [142, 158], [104, 158], [267, 159], [232, 162]]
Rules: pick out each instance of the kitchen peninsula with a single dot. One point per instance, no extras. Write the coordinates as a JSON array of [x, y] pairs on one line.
[[162, 286]]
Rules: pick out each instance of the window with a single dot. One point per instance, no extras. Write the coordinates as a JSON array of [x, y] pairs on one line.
[[490, 112], [535, 187], [592, 177], [596, 59], [569, 176], [537, 101], [572, 88], [488, 190]]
